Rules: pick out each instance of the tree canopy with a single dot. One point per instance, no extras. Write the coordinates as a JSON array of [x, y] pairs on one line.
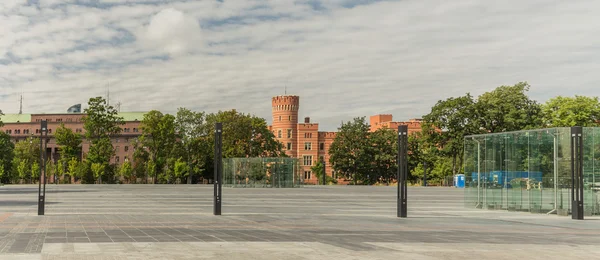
[[571, 111]]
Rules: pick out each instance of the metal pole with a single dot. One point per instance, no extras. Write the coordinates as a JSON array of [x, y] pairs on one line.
[[218, 168], [41, 197], [555, 175], [402, 170], [478, 173]]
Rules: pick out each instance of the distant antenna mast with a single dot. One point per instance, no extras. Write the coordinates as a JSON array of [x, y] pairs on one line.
[[118, 106], [21, 105], [285, 90]]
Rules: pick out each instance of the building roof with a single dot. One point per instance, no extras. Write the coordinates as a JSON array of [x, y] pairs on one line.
[[16, 118], [132, 116], [25, 118]]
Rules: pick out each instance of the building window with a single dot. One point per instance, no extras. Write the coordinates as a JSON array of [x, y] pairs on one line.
[[289, 133], [307, 175], [48, 120], [333, 174], [26, 131], [321, 158], [307, 135], [7, 131], [69, 119], [322, 146], [135, 130], [289, 146], [38, 120], [117, 149], [126, 148], [307, 160], [289, 118], [49, 130], [59, 120], [308, 146], [37, 131], [279, 118], [125, 159], [278, 133], [117, 159]]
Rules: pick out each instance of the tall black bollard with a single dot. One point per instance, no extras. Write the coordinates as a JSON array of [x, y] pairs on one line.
[[402, 170], [577, 172], [218, 168], [42, 178]]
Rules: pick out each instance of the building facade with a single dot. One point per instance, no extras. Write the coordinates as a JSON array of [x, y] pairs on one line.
[[304, 140], [22, 126]]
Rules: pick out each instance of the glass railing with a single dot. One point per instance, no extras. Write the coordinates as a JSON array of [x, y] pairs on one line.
[[263, 172], [530, 195]]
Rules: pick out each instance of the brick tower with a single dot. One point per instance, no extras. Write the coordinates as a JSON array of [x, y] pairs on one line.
[[285, 122]]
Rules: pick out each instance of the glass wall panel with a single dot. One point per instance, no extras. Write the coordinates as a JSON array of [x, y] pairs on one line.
[[529, 171], [262, 172]]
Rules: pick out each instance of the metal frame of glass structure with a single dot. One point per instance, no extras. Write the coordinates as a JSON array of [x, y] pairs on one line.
[[262, 172], [530, 171]]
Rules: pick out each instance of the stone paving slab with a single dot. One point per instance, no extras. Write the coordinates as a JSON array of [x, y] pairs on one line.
[[348, 222]]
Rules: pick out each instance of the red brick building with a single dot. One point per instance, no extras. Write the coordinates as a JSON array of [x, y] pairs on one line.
[[22, 126], [304, 140]]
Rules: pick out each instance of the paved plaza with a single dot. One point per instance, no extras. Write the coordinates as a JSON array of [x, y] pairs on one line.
[[333, 222]]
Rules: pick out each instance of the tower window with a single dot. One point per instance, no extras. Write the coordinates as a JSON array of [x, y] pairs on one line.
[[307, 146], [279, 134], [322, 146], [289, 118], [289, 133], [279, 118], [289, 146]]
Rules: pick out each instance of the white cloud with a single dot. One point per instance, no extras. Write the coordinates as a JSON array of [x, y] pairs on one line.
[[171, 31], [395, 57]]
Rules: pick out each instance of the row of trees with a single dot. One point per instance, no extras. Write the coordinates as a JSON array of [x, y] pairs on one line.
[[171, 148], [370, 157]]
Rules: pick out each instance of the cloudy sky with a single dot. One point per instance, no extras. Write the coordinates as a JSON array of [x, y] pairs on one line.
[[345, 58]]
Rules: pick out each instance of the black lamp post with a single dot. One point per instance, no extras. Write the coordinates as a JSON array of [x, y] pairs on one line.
[[42, 193]]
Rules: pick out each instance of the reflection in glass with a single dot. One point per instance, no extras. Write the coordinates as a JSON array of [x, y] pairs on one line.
[[529, 171]]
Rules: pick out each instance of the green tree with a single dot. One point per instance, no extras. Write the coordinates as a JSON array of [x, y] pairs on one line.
[[571, 111], [21, 166], [383, 150], [6, 156], [35, 171], [98, 171], [244, 135], [508, 108], [2, 172], [27, 151], [159, 137], [445, 126], [60, 168], [101, 122], [181, 169], [140, 158], [151, 170], [125, 171], [349, 153], [72, 167], [191, 128], [68, 141]]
